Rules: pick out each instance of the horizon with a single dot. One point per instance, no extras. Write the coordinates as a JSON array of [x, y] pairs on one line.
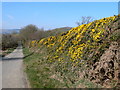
[[51, 15]]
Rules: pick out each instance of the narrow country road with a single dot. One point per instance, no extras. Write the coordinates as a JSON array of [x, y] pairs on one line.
[[12, 70]]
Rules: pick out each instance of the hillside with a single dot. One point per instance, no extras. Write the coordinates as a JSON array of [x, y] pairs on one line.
[[57, 31], [88, 51]]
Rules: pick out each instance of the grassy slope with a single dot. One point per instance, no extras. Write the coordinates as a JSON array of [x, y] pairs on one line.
[[41, 73], [66, 55], [38, 71]]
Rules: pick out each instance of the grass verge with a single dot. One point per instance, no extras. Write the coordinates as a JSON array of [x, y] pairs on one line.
[[38, 72], [42, 74]]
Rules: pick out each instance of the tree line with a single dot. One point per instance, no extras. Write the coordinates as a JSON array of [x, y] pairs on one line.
[[28, 33]]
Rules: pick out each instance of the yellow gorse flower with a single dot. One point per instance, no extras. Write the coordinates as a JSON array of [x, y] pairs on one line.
[[76, 40]]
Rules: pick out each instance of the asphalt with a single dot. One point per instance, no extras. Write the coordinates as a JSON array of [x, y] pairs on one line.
[[13, 75]]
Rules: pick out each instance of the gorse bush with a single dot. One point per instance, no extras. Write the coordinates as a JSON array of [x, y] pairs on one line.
[[71, 52], [80, 43]]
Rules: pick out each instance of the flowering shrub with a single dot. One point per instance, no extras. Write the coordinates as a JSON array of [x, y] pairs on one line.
[[78, 44], [71, 54]]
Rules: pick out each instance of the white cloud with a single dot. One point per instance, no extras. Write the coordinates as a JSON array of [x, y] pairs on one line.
[[10, 17]]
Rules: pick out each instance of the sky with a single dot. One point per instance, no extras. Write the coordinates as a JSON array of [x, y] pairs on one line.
[[50, 15], [60, 0]]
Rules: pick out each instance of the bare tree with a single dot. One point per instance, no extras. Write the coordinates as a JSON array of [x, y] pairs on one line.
[[85, 20]]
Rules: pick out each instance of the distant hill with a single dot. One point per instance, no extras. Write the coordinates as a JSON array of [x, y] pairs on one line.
[[52, 32], [10, 30], [56, 31]]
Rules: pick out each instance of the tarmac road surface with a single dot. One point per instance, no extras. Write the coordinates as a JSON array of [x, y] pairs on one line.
[[13, 75]]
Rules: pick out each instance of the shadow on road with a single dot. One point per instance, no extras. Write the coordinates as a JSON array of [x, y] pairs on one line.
[[18, 58], [7, 59], [28, 55]]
